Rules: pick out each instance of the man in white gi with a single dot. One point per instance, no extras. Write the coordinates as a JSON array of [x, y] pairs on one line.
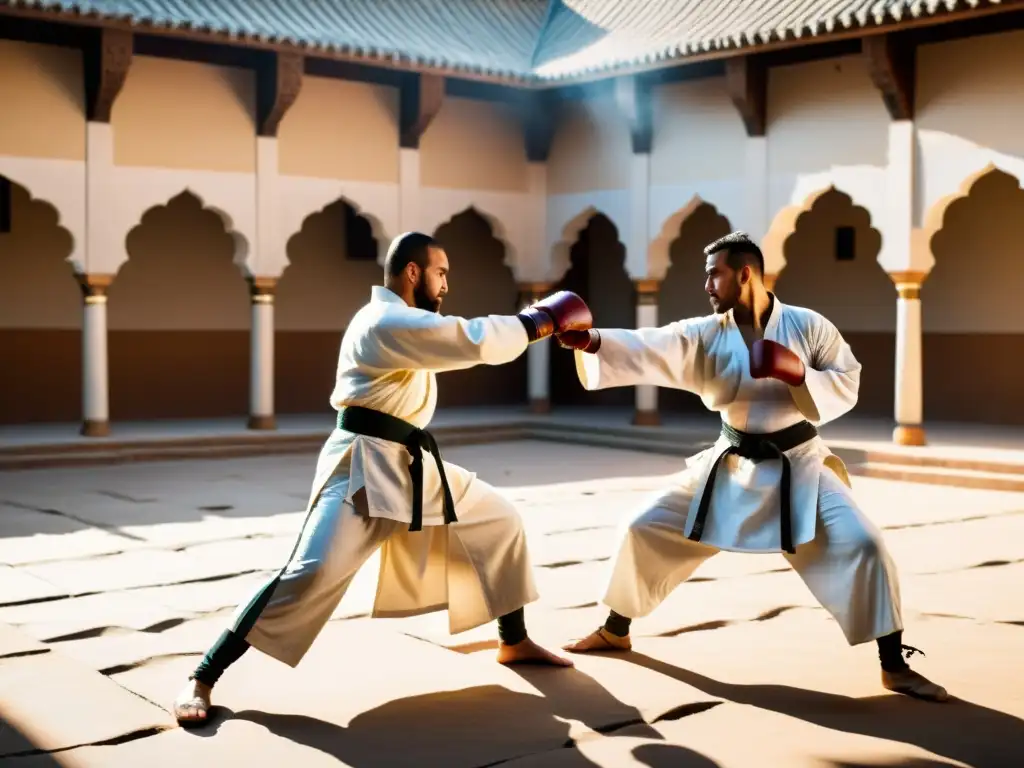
[[449, 539], [769, 483]]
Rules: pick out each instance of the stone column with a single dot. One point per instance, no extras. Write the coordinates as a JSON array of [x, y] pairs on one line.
[[95, 380], [261, 356], [646, 411], [909, 377], [538, 355]]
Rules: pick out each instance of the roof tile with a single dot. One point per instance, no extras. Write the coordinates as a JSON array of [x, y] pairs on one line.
[[546, 40]]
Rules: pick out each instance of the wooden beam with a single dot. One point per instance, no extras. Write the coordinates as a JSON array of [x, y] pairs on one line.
[[746, 79], [539, 111], [633, 95], [278, 82], [107, 57], [421, 97], [892, 64]]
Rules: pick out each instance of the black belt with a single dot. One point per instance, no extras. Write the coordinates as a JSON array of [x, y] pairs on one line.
[[759, 448], [371, 423]]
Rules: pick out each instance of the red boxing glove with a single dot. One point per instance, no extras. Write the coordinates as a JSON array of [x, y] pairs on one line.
[[768, 359], [584, 341], [562, 311]]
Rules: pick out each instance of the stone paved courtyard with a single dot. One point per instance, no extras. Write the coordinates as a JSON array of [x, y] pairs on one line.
[[114, 580]]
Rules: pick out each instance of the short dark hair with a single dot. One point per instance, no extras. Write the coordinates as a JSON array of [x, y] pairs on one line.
[[408, 248], [741, 251]]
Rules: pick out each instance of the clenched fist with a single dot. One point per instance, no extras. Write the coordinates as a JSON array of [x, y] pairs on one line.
[[559, 312], [585, 341], [771, 360]]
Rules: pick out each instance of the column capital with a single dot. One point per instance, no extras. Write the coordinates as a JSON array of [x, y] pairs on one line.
[[647, 291], [94, 286], [534, 291], [908, 284], [261, 289]]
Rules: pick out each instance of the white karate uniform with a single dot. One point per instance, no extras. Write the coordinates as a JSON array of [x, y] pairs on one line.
[[839, 552], [478, 568]]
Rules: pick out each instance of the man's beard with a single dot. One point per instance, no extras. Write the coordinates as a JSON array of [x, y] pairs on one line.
[[723, 304], [423, 301]]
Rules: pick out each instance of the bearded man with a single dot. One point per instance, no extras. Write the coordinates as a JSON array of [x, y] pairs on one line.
[[449, 539], [769, 483]]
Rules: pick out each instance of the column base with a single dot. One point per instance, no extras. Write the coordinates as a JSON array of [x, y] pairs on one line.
[[909, 434], [261, 422], [540, 405], [94, 428], [646, 419]]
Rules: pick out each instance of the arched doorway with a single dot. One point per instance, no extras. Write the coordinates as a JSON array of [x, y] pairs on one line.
[[332, 264], [597, 273], [971, 307], [179, 319], [40, 313], [832, 267], [681, 294], [479, 284]]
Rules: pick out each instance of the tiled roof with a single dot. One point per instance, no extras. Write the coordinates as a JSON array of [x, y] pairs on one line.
[[524, 39]]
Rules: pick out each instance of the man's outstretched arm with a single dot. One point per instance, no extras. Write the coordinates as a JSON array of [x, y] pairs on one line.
[[666, 356], [421, 340]]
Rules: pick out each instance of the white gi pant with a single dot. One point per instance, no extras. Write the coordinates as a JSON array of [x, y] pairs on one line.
[[478, 568], [846, 566]]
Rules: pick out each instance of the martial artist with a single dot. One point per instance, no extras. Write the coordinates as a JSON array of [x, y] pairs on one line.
[[449, 539], [769, 483]]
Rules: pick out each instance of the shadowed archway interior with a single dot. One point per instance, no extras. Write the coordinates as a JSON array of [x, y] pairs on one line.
[[832, 267], [332, 265], [597, 273], [681, 294], [479, 284], [179, 319], [40, 313], [971, 307]]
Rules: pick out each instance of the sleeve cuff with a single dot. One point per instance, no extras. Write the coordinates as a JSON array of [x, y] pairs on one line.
[[588, 368], [803, 397]]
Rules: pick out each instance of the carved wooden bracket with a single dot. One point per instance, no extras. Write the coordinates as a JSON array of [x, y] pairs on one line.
[[746, 78], [107, 56], [892, 67], [278, 82], [421, 97], [633, 95], [539, 112]]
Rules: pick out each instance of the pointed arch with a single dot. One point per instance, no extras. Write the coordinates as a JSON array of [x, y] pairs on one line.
[[970, 303], [40, 312], [497, 231], [935, 216], [296, 220], [61, 186], [179, 316], [481, 282], [659, 251], [330, 265]]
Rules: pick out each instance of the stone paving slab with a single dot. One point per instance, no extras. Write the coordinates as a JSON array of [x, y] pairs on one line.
[[60, 618], [52, 702], [20, 586], [15, 643]]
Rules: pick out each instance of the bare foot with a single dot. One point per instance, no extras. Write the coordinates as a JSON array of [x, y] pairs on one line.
[[911, 683], [528, 652], [192, 707], [598, 641]]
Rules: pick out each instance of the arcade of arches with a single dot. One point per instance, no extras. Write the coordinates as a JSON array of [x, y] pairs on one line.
[[181, 314]]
